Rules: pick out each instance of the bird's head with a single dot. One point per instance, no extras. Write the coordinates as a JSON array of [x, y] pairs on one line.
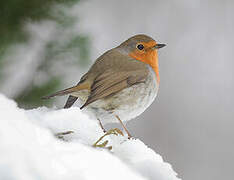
[[143, 48]]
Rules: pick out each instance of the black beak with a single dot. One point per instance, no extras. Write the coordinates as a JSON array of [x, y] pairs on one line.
[[158, 46]]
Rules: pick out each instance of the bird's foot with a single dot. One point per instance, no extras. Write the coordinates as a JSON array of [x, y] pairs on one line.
[[62, 134], [114, 131]]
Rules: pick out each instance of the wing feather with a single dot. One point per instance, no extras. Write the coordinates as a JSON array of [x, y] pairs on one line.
[[110, 83]]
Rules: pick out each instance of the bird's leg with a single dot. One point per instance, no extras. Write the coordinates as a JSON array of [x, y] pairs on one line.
[[100, 123], [114, 131], [61, 134], [129, 135]]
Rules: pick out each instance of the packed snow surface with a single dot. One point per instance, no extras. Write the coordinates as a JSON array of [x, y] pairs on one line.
[[29, 149]]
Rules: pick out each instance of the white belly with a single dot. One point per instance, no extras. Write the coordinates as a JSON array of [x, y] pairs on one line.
[[128, 103]]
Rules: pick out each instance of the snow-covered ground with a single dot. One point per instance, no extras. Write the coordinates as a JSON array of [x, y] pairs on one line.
[[29, 150]]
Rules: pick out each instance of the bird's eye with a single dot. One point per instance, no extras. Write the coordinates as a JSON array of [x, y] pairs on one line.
[[140, 46]]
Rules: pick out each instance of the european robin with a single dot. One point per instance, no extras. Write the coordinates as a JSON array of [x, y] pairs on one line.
[[122, 82]]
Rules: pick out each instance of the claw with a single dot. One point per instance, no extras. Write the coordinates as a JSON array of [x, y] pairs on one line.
[[114, 131], [102, 145], [61, 134]]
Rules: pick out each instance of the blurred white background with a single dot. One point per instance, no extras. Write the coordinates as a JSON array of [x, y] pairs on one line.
[[191, 122]]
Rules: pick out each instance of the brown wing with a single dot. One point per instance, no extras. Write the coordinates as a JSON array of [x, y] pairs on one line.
[[109, 83]]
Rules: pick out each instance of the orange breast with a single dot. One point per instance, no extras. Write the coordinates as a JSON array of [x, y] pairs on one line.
[[148, 56]]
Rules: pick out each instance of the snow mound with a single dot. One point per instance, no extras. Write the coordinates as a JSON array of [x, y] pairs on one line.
[[29, 150]]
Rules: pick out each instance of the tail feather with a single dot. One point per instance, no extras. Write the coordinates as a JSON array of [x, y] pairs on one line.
[[61, 93], [70, 101], [67, 91]]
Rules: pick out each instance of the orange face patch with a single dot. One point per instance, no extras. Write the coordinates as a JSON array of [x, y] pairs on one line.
[[147, 55]]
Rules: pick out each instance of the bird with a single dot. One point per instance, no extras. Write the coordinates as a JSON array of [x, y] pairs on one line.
[[121, 84]]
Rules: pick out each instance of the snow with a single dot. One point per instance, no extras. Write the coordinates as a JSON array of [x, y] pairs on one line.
[[29, 150]]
